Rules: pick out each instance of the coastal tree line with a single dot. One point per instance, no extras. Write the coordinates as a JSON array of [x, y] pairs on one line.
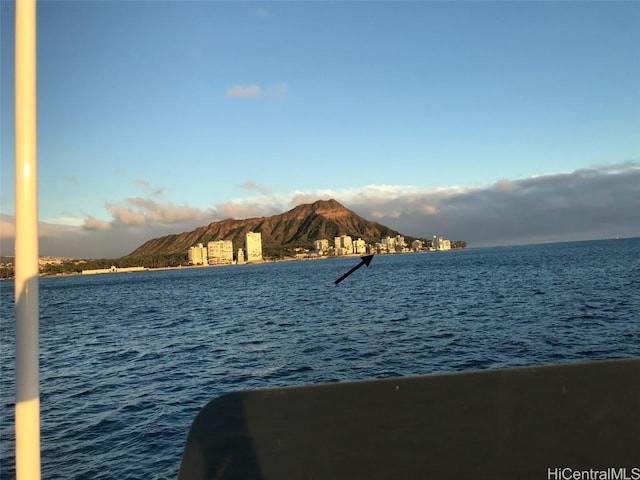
[[75, 266]]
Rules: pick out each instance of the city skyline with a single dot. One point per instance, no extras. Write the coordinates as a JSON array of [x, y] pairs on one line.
[[496, 123], [221, 252]]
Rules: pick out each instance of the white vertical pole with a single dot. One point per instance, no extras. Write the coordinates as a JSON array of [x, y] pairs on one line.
[[26, 247]]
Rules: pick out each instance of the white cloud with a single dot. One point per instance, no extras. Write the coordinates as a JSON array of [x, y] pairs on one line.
[[165, 213], [599, 202], [253, 185], [92, 223], [428, 209], [274, 92], [505, 185], [587, 203], [377, 214], [138, 211], [7, 226], [67, 220], [125, 215], [244, 209], [240, 91]]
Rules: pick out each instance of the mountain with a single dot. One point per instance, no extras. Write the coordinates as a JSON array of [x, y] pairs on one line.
[[297, 227]]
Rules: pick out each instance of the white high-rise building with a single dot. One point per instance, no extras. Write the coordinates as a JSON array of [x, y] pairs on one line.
[[359, 247], [343, 245], [220, 252], [389, 244], [198, 255], [253, 246], [416, 245], [440, 243], [322, 246]]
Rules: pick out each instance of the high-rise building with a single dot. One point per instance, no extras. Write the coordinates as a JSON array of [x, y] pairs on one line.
[[343, 245], [253, 246], [220, 252], [198, 255], [359, 247], [321, 246], [389, 244], [440, 243]]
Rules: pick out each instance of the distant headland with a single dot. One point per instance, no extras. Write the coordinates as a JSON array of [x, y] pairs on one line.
[[303, 232]]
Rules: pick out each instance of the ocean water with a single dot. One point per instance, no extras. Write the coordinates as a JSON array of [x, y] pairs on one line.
[[127, 360]]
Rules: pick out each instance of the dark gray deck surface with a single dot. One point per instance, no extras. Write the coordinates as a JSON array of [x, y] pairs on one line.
[[501, 424]]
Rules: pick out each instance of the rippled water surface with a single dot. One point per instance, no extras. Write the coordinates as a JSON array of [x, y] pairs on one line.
[[127, 360]]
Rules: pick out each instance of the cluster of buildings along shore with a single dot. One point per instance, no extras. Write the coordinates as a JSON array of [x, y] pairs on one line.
[[220, 252]]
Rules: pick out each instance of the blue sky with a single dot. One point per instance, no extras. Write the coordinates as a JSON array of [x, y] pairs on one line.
[[156, 117]]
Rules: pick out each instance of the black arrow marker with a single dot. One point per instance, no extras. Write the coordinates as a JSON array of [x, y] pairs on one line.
[[366, 260]]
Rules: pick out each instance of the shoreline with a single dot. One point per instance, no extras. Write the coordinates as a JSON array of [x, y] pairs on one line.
[[183, 267]]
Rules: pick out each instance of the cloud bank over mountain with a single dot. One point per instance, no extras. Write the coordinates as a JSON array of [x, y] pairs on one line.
[[584, 204], [598, 202]]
